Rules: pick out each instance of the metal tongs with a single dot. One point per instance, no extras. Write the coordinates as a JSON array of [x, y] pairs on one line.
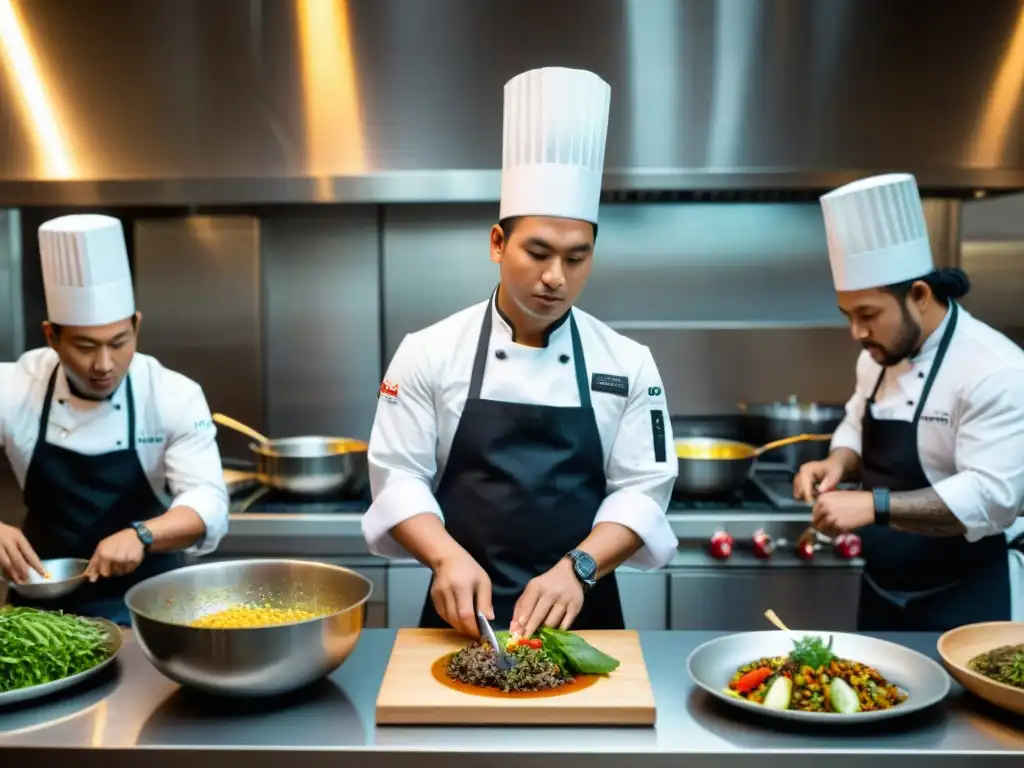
[[505, 660]]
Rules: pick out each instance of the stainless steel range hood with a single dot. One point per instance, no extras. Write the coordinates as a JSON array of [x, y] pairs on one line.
[[278, 101]]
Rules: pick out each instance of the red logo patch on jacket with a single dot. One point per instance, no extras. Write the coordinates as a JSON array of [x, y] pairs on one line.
[[388, 391]]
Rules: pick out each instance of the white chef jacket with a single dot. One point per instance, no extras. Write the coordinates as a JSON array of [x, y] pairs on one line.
[[970, 436], [174, 432], [414, 428]]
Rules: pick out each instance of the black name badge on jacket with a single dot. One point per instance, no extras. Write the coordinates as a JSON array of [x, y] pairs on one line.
[[613, 385]]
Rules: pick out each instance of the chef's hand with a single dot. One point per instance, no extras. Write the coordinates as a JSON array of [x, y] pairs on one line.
[[116, 555], [460, 589], [843, 511], [553, 599], [17, 555], [816, 478]]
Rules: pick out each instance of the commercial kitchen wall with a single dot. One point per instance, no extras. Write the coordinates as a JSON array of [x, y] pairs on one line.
[[288, 316]]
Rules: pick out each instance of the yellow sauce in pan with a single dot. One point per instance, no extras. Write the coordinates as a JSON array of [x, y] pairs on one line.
[[713, 451]]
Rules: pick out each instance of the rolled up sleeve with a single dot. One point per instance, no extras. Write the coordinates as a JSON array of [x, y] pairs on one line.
[[987, 492], [402, 454], [195, 474], [642, 470], [848, 433]]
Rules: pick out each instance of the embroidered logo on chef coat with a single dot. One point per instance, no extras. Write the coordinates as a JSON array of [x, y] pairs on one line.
[[937, 417], [388, 391], [149, 439], [613, 385]]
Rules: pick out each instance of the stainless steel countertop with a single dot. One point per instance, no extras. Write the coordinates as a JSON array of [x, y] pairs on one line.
[[134, 708]]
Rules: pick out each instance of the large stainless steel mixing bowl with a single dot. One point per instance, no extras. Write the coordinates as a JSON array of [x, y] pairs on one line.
[[252, 662]]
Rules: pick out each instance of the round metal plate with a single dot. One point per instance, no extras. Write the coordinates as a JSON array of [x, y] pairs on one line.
[[115, 640], [713, 664]]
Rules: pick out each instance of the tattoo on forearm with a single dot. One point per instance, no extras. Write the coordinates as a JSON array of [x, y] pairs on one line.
[[923, 512]]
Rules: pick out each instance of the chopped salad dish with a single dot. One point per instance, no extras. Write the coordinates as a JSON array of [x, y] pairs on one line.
[[813, 679]]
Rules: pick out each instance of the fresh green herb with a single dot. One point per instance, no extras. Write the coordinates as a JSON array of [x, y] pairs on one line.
[[581, 658], [812, 652], [38, 647], [570, 652]]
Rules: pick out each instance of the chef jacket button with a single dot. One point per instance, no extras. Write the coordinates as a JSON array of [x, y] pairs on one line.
[[118, 442], [500, 354], [920, 374], [117, 407], [910, 402], [563, 358], [64, 434], [63, 402]]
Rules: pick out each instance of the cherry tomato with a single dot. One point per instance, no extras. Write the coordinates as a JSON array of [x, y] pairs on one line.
[[535, 643]]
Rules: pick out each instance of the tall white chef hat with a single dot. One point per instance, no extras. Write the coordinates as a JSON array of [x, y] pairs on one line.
[[556, 124], [876, 232], [85, 270]]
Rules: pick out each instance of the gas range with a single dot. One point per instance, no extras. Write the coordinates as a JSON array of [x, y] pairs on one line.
[[263, 500], [770, 489]]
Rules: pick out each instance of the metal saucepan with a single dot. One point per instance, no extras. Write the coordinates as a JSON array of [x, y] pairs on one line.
[[793, 417], [309, 465], [711, 466], [256, 661]]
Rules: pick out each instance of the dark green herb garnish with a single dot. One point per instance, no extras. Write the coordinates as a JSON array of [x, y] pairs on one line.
[[38, 647], [812, 652]]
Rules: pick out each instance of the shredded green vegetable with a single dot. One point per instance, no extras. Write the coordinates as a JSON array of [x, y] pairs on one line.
[[38, 647]]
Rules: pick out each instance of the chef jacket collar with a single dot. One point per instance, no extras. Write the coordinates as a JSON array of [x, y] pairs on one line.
[[505, 322], [62, 394], [931, 344]]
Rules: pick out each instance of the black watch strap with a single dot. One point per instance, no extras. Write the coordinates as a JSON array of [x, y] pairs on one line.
[[881, 505]]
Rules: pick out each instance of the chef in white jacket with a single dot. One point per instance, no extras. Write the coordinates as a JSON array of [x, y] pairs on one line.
[[934, 429], [521, 448], [97, 434]]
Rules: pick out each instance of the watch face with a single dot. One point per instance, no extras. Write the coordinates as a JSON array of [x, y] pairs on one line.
[[585, 565]]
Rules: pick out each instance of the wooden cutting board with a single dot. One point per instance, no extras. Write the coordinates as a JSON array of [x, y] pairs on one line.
[[412, 695]]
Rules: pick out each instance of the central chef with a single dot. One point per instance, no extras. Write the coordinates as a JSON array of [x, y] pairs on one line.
[[521, 448], [116, 455]]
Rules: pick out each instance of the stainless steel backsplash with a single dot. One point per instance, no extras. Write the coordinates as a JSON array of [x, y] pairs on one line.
[[289, 316]]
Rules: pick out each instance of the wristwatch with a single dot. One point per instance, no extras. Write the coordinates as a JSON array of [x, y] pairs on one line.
[[881, 505], [584, 567], [145, 535]]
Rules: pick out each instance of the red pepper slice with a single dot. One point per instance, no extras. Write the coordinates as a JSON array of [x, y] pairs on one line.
[[535, 642], [752, 679]]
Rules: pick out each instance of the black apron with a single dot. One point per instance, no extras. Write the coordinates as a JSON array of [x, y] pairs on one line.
[[522, 487], [75, 501], [962, 582]]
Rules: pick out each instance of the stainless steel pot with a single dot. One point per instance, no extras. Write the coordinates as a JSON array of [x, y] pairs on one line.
[[794, 417], [710, 466], [251, 662], [313, 465]]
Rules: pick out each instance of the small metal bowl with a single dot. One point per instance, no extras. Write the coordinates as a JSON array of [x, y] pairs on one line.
[[66, 575]]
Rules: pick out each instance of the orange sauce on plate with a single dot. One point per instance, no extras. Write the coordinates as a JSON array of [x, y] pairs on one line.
[[439, 669]]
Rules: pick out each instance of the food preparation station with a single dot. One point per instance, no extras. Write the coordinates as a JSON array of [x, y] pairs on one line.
[[134, 716]]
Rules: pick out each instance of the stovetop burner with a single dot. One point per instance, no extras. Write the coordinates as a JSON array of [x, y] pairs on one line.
[[770, 489], [272, 501]]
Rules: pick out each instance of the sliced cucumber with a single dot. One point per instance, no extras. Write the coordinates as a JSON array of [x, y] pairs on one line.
[[779, 694], [844, 699]]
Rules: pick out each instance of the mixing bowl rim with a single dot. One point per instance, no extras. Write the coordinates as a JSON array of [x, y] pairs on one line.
[[248, 561]]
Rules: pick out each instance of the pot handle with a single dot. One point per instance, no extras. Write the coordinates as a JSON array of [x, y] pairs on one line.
[[227, 421]]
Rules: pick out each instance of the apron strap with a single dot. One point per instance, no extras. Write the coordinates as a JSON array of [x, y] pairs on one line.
[[480, 361], [940, 354], [44, 417], [947, 337]]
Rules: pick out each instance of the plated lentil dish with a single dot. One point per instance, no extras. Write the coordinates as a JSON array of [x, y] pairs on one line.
[[813, 679], [1004, 665]]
